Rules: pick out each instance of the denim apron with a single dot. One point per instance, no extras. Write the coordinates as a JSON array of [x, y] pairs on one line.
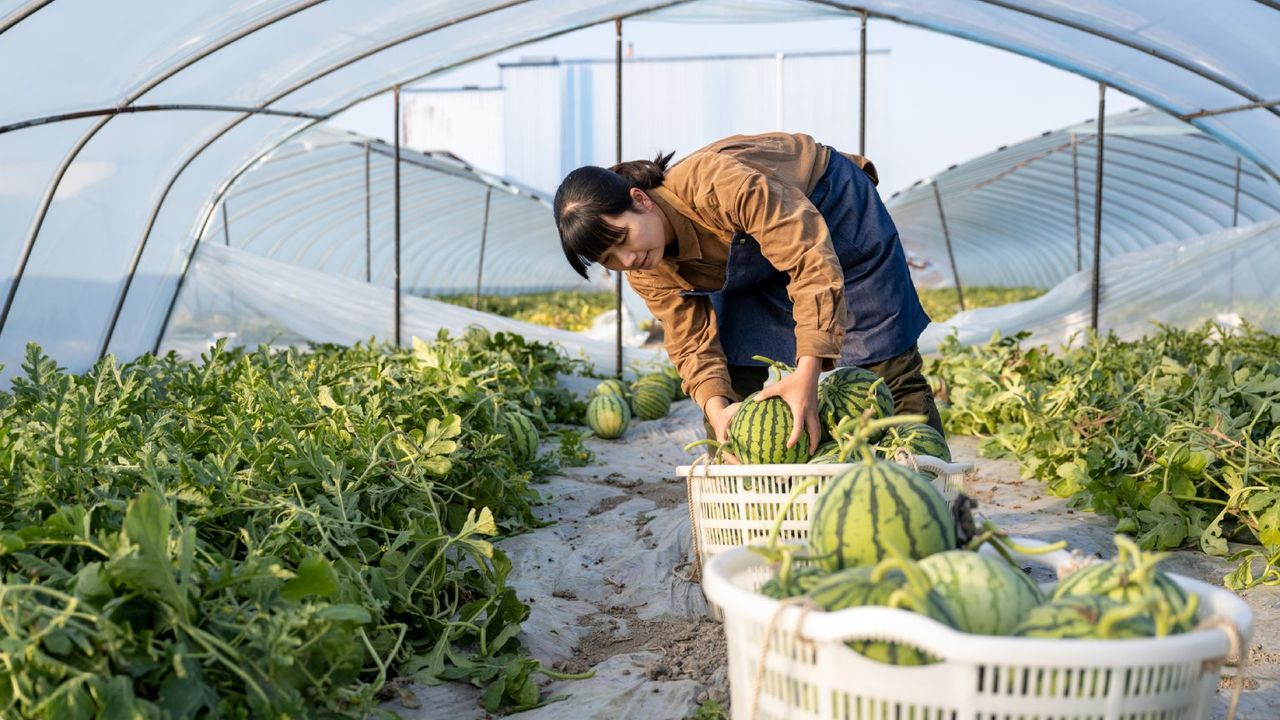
[[755, 316]]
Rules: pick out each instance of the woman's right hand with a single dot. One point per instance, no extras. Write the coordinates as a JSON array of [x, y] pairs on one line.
[[720, 412]]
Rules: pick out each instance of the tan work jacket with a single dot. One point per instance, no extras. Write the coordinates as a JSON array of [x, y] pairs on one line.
[[757, 184]]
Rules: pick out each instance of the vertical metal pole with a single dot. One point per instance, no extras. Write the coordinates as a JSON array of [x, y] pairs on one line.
[[1235, 202], [862, 89], [1097, 207], [226, 227], [368, 219], [1075, 185], [946, 235], [484, 234], [396, 94], [617, 25]]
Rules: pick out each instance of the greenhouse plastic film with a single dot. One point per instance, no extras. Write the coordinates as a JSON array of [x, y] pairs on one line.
[[249, 300], [1226, 277]]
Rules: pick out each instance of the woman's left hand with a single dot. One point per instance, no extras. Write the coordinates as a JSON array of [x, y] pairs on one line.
[[800, 390]]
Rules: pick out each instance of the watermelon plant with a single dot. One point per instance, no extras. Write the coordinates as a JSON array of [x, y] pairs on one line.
[[269, 534], [1177, 435]]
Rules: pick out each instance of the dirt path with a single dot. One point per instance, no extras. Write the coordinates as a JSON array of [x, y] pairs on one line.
[[602, 593]]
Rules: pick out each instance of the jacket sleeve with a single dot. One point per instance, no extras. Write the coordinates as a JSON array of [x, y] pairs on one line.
[[690, 334], [794, 238]]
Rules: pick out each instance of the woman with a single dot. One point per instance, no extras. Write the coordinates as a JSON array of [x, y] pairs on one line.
[[770, 245]]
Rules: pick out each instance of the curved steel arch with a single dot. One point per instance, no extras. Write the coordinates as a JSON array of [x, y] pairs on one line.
[[1049, 60], [21, 14], [52, 188], [443, 68]]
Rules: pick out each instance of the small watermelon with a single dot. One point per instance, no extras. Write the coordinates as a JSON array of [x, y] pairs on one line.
[[608, 416], [1086, 618], [522, 436], [801, 581], [989, 596], [872, 506], [916, 438], [612, 386], [1117, 580], [827, 453], [856, 587], [848, 392], [759, 430], [651, 400]]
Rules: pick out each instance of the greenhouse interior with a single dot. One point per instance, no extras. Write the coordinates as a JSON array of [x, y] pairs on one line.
[[301, 419]]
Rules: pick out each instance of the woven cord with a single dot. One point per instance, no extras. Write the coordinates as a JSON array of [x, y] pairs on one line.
[[1238, 649], [695, 566], [806, 605]]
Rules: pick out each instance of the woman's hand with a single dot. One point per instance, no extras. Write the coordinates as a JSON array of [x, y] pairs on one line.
[[800, 390], [720, 412]]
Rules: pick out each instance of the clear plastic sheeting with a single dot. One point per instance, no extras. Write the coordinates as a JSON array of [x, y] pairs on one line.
[[1226, 277], [1012, 213], [326, 201], [124, 64], [251, 300]]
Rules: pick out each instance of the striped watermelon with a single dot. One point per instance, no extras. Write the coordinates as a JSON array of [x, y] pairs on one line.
[[801, 581], [612, 386], [989, 596], [651, 400], [848, 392], [916, 438], [1085, 618], [827, 453], [522, 436], [608, 416], [759, 430], [856, 587], [873, 505], [1121, 581]]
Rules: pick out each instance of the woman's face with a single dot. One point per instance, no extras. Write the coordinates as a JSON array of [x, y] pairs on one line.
[[646, 236]]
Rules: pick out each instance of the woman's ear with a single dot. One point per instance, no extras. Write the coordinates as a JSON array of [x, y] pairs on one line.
[[641, 199]]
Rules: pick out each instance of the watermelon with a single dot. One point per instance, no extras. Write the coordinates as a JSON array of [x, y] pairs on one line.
[[666, 381], [989, 596], [522, 436], [916, 438], [801, 581], [872, 506], [608, 416], [858, 587], [827, 453], [848, 392], [612, 386], [1086, 618], [651, 400], [1120, 580], [759, 430]]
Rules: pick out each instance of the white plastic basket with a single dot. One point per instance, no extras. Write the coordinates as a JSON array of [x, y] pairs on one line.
[[809, 673], [735, 505]]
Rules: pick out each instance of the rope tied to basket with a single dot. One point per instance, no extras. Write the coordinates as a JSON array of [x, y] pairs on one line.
[[701, 463], [1237, 648], [806, 606]]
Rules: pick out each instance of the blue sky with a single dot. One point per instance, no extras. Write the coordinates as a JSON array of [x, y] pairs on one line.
[[950, 100]]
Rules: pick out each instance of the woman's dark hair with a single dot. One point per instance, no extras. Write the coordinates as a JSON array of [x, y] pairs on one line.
[[589, 193]]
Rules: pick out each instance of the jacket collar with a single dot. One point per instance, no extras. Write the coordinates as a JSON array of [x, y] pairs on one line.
[[678, 213]]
